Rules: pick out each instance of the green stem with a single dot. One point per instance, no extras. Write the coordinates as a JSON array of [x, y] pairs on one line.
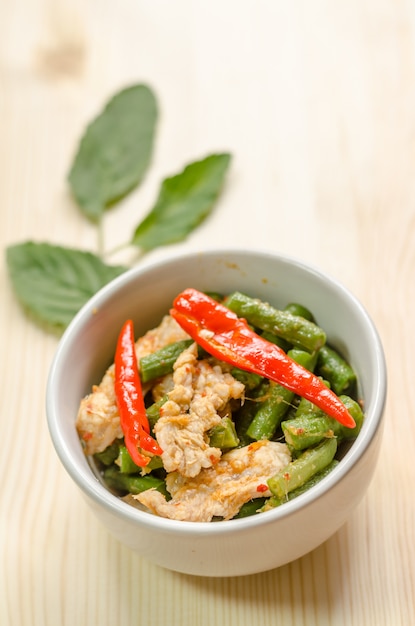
[[100, 239], [124, 246]]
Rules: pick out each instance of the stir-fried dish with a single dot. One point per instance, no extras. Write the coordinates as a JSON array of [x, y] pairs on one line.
[[229, 407]]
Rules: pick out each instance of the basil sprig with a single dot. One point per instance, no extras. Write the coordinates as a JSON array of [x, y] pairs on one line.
[[53, 282]]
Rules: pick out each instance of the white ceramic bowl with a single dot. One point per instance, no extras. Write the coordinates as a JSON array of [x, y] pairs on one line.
[[247, 545]]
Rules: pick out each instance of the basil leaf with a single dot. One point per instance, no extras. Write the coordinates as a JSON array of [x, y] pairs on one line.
[[184, 201], [52, 282], [115, 151]]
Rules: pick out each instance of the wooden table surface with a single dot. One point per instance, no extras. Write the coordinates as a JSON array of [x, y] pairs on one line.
[[316, 103]]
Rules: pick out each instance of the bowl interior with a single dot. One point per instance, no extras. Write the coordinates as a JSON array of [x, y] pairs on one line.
[[145, 295]]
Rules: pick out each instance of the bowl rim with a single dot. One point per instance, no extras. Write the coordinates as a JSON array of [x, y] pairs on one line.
[[92, 487]]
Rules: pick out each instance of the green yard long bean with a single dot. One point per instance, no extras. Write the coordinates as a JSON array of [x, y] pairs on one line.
[[335, 369], [271, 412], [132, 483], [293, 328], [300, 310], [224, 435], [160, 363], [308, 428], [299, 471], [274, 501]]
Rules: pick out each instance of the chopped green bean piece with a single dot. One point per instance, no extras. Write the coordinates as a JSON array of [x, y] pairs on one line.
[[155, 463], [274, 501], [153, 411], [356, 412], [271, 412], [223, 435], [250, 508], [161, 362], [243, 419], [127, 465], [307, 408], [249, 379], [299, 471], [304, 432], [311, 425], [298, 309], [306, 359], [108, 456], [125, 462], [334, 368], [132, 483], [294, 329], [279, 341]]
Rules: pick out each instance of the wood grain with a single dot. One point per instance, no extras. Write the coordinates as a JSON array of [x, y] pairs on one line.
[[316, 102]]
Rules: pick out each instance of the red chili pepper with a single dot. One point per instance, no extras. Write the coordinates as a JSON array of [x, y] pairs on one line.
[[262, 488], [130, 401], [227, 337]]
